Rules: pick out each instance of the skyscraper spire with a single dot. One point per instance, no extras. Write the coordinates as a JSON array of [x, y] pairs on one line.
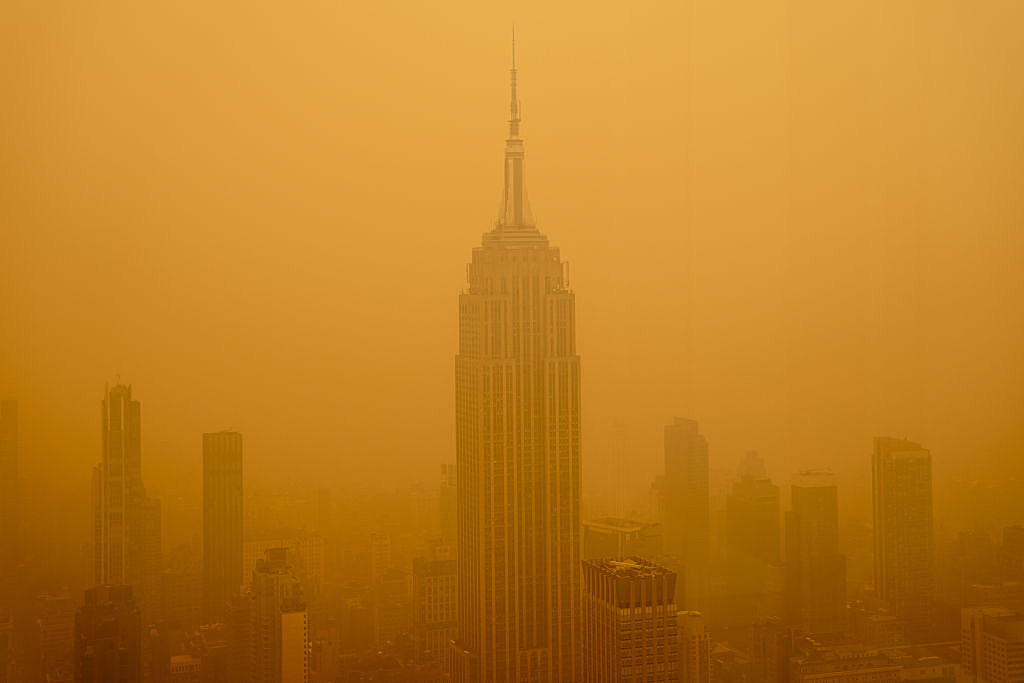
[[513, 123], [515, 211]]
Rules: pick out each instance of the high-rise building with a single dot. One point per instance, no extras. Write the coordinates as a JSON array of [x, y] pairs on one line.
[[126, 525], [280, 622], [815, 591], [181, 599], [54, 636], [752, 518], [686, 504], [108, 637], [435, 604], [222, 522], [629, 622], [517, 450], [902, 503], [992, 644], [240, 644], [8, 496], [694, 648]]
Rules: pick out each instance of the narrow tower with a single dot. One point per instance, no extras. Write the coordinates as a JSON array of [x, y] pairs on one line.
[[222, 522], [517, 450], [904, 562]]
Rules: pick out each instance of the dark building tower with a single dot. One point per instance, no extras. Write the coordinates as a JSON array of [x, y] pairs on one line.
[[222, 522], [815, 571], [687, 504], [517, 451], [108, 637], [752, 512], [127, 522], [8, 498], [630, 630], [902, 502]]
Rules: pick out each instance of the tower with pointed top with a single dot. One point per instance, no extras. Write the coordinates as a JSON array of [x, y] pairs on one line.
[[126, 522], [517, 451]]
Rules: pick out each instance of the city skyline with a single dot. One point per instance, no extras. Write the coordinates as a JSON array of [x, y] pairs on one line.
[[775, 439]]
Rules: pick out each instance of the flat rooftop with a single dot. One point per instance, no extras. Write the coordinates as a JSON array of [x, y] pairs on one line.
[[629, 567]]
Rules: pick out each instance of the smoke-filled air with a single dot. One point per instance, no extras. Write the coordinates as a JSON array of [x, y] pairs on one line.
[[514, 342]]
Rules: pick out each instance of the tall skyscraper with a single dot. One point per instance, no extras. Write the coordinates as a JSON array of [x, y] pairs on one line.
[[126, 526], [222, 522], [108, 637], [9, 529], [902, 502], [629, 622], [517, 450], [686, 504], [815, 570], [752, 514]]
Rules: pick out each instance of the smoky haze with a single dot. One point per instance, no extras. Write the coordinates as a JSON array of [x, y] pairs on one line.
[[798, 223]]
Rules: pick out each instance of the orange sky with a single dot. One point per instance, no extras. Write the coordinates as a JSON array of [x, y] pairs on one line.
[[797, 222]]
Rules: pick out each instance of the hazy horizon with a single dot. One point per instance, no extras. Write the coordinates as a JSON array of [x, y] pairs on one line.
[[800, 228]]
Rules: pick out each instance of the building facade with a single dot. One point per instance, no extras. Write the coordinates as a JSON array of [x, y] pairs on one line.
[[815, 593], [686, 505], [108, 637], [280, 623], [435, 603], [222, 522], [992, 644], [517, 451], [903, 532], [752, 519], [694, 648], [126, 525], [630, 630]]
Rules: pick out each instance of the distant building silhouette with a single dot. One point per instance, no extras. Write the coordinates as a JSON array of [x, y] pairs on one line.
[[629, 622], [686, 505], [903, 532], [752, 517], [815, 570], [126, 543], [222, 522], [517, 451], [108, 637]]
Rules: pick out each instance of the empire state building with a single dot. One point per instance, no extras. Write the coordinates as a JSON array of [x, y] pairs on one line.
[[517, 451]]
